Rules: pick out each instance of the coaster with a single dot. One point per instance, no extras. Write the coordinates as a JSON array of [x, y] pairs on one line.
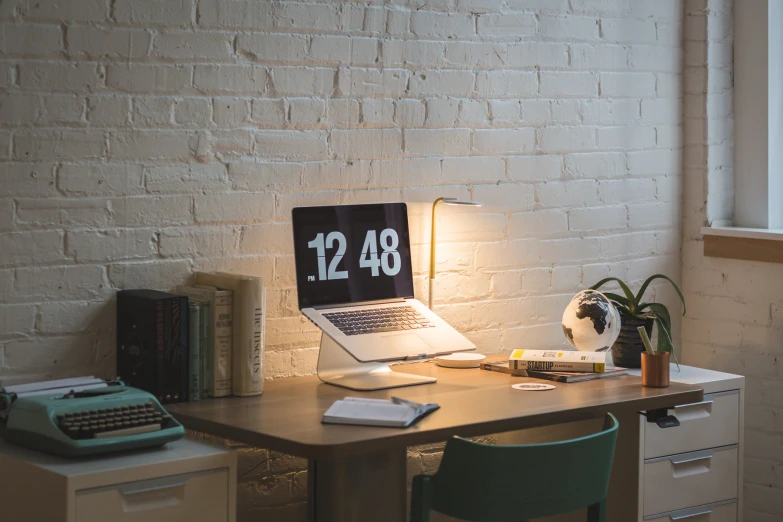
[[460, 360], [533, 386]]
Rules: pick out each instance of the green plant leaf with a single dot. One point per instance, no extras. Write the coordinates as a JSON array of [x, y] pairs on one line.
[[664, 324], [663, 321], [618, 299], [664, 339], [627, 291], [650, 279], [625, 312], [659, 310], [622, 309]]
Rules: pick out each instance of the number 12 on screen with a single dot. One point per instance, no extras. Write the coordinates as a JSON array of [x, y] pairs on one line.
[[388, 261]]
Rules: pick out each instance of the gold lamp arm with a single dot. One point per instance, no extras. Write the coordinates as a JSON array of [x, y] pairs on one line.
[[432, 253]]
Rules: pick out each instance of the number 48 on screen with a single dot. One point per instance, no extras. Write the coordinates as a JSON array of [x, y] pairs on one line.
[[389, 260]]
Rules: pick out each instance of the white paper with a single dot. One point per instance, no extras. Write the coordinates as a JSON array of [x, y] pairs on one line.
[[53, 385], [55, 391]]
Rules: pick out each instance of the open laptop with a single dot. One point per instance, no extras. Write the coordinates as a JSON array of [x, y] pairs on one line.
[[355, 282]]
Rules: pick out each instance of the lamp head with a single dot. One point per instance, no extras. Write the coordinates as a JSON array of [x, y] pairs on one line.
[[455, 201]]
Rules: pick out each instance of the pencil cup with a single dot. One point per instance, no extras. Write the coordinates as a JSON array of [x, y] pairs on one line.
[[655, 370]]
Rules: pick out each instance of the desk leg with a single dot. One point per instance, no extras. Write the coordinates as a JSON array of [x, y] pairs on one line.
[[358, 489]]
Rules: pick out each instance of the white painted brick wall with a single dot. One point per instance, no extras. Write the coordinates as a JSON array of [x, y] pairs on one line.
[[734, 321], [141, 140]]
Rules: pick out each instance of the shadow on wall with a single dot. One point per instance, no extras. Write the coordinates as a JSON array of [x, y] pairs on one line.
[[54, 356]]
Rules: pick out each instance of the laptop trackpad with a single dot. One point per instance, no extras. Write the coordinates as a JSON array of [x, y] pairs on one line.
[[408, 344]]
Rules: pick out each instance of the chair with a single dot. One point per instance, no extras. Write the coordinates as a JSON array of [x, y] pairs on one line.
[[491, 483]]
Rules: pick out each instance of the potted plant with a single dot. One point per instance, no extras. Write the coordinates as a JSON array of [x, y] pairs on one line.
[[627, 350]]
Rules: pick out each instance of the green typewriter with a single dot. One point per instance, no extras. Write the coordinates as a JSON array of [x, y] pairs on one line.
[[85, 416]]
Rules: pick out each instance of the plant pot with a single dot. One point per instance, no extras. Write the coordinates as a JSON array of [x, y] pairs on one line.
[[627, 349]]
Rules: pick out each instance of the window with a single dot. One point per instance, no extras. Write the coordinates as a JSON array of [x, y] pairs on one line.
[[756, 233], [758, 114]]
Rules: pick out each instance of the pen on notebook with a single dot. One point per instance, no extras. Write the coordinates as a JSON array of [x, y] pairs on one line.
[[398, 400]]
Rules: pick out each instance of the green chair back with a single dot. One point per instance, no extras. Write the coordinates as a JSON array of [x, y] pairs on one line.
[[509, 483]]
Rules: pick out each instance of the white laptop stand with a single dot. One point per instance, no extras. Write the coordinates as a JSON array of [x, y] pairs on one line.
[[337, 366]]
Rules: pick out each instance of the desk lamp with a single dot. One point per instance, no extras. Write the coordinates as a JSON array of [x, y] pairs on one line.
[[448, 201]]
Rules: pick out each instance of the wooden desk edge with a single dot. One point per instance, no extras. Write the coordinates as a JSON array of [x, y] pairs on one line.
[[414, 438]]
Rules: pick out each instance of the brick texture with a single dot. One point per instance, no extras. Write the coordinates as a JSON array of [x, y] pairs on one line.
[[735, 317], [141, 140]]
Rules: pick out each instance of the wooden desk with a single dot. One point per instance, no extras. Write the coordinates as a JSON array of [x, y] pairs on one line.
[[358, 473]]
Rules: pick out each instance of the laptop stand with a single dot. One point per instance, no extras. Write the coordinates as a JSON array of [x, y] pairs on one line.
[[337, 366]]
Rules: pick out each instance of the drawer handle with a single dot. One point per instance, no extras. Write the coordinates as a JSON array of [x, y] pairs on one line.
[[702, 403], [692, 457], [160, 486], [153, 494], [696, 410], [691, 515]]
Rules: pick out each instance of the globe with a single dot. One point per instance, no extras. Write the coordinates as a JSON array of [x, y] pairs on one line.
[[591, 323]]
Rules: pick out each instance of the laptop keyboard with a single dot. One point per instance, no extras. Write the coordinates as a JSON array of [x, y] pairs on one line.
[[378, 320]]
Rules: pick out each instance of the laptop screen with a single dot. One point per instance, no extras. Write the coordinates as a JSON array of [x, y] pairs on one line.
[[352, 253]]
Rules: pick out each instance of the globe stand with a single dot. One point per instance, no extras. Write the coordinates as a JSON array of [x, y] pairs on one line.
[[337, 366]]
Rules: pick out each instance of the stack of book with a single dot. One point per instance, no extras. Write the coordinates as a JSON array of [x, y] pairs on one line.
[[554, 365], [227, 317]]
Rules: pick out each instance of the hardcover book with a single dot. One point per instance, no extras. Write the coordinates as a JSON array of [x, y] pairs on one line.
[[502, 367], [153, 343], [221, 339], [194, 340], [208, 378], [249, 318], [557, 361]]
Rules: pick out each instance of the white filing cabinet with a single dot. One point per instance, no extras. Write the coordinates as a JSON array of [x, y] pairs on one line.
[[694, 471], [185, 481], [688, 473]]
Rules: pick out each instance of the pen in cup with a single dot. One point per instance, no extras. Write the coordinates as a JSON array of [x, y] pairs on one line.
[[646, 340]]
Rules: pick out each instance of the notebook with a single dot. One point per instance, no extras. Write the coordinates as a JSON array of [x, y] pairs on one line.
[[396, 413]]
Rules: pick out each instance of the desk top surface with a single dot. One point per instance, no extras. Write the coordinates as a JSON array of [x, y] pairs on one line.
[[287, 417]]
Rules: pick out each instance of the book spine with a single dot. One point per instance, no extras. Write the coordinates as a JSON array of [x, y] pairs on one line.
[[160, 341], [561, 356], [177, 345], [508, 370], [194, 347], [219, 362], [562, 366], [205, 316], [170, 379], [183, 351], [547, 376], [247, 371]]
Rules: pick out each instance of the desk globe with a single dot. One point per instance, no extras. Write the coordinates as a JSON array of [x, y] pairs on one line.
[[591, 323]]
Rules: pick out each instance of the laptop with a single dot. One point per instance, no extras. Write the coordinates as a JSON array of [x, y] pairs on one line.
[[355, 282]]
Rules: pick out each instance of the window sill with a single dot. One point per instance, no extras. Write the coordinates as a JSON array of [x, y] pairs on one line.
[[749, 244]]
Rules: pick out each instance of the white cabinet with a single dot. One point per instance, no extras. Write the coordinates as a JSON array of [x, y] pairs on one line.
[[185, 481], [688, 473], [694, 470]]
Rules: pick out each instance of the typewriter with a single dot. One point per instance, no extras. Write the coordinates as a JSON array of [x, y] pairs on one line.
[[85, 416]]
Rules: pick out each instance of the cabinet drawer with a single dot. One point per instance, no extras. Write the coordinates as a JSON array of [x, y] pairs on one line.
[[690, 479], [718, 512], [179, 498], [711, 423]]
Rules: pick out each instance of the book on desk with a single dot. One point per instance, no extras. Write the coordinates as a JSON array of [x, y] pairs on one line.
[[502, 366], [394, 413]]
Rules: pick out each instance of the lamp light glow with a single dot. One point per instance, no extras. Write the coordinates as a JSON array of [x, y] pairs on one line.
[[447, 201]]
